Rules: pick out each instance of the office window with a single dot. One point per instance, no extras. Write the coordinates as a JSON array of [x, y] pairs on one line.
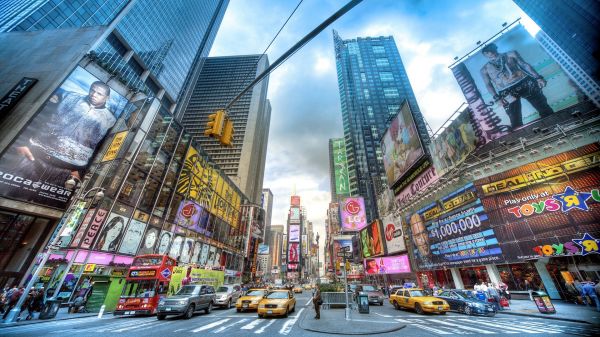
[[378, 49], [386, 76], [390, 93], [382, 62]]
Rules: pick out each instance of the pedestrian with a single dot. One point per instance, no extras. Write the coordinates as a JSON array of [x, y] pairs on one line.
[[12, 297], [587, 290], [494, 293], [317, 301]]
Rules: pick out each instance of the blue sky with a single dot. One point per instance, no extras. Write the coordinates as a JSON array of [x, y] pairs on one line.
[[304, 92]]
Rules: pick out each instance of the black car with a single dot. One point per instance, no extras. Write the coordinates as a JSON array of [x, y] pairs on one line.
[[464, 301]]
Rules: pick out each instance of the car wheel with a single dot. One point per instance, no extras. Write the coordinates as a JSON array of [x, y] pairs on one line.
[[189, 312], [260, 316], [468, 310], [381, 304], [228, 304], [294, 308], [286, 312], [160, 317], [443, 312], [209, 308], [238, 310], [418, 309], [396, 306]]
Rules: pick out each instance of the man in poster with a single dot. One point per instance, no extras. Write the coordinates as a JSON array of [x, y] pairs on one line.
[[508, 78]]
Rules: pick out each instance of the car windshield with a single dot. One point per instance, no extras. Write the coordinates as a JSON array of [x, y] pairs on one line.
[[278, 294], [255, 293], [188, 290], [222, 289], [369, 288], [416, 293]]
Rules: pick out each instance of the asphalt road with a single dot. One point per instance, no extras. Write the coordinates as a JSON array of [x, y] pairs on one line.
[[232, 324]]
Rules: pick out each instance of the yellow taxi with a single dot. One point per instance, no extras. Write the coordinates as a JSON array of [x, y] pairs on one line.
[[277, 303], [297, 289], [250, 300], [415, 299]]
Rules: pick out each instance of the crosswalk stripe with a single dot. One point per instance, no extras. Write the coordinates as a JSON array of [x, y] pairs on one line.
[[211, 325], [424, 327], [136, 326], [508, 327], [287, 326], [465, 327], [252, 324], [262, 329], [230, 325]]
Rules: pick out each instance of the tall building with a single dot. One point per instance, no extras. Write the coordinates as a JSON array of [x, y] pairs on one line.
[[276, 244], [573, 25], [373, 83], [267, 205], [220, 80]]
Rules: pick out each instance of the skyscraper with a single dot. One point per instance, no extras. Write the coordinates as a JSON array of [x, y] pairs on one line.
[[267, 205], [573, 25], [220, 80], [373, 84]]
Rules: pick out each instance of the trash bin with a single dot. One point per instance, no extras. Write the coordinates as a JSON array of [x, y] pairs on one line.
[[543, 303], [50, 308], [363, 303]]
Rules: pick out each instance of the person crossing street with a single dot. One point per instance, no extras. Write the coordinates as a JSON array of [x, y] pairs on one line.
[[317, 301]]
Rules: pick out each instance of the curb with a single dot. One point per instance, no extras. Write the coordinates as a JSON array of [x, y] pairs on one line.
[[350, 333], [39, 321], [547, 317]]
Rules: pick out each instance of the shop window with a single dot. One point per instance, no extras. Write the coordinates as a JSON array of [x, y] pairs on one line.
[[520, 276], [474, 275]]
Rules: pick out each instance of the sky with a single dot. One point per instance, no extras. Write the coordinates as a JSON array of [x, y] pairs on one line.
[[304, 93]]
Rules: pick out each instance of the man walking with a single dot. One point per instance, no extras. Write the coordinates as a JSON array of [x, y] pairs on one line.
[[587, 289], [317, 301]]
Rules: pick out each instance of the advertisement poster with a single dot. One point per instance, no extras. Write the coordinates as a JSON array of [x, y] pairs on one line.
[[150, 240], [353, 214], [388, 265], [163, 242], [115, 145], [546, 208], [512, 82], [401, 145], [196, 253], [263, 249], [71, 224], [188, 215], [187, 250], [418, 184], [294, 233], [294, 252], [340, 167], [83, 228], [393, 234], [337, 247], [452, 146], [204, 254], [371, 241], [304, 244], [113, 231], [294, 215], [59, 141], [176, 246], [211, 256], [295, 200], [132, 238], [454, 231], [91, 233]]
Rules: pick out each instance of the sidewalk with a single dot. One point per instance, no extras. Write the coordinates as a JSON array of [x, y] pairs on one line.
[[564, 311], [333, 322], [61, 315]]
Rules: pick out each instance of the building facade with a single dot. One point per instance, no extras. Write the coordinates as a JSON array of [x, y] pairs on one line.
[[267, 205], [220, 80], [275, 246]]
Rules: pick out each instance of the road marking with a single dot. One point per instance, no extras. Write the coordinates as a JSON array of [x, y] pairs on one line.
[[287, 326], [262, 329], [376, 313], [308, 303], [465, 327], [136, 326], [211, 325], [252, 324], [507, 327], [230, 325], [424, 327]]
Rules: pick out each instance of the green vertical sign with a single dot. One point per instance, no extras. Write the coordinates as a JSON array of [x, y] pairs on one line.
[[340, 164]]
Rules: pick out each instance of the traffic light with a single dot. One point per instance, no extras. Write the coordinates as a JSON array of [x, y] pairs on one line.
[[347, 266], [214, 126], [228, 130], [356, 257]]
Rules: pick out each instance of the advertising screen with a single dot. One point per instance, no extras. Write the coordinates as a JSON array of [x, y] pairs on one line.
[[453, 231], [294, 252], [371, 240], [294, 215], [547, 208], [263, 249], [511, 82], [353, 215], [340, 167], [401, 146], [387, 265], [294, 235], [295, 200], [454, 144], [60, 140], [393, 234]]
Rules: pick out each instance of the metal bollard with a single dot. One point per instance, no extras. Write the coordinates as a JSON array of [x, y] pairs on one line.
[[101, 311]]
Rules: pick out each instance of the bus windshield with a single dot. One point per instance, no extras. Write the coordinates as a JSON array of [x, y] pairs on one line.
[[141, 288]]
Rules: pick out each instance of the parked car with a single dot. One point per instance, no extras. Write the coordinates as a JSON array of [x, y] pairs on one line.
[[228, 294], [414, 298], [464, 301], [249, 301], [277, 303], [375, 295], [189, 299]]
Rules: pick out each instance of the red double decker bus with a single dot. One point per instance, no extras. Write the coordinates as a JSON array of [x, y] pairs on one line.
[[147, 282]]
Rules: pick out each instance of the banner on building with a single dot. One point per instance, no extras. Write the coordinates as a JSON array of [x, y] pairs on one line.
[[340, 167], [304, 244], [113, 231], [387, 265], [294, 215], [263, 249], [294, 235], [295, 200], [353, 214], [294, 252], [132, 238], [115, 145], [371, 240], [418, 184], [393, 234]]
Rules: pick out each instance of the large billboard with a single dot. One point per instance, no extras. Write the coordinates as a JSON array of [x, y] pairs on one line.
[[353, 214], [112, 233], [294, 235], [387, 265], [550, 207], [393, 234], [60, 140], [294, 214], [401, 145], [340, 167], [512, 82], [371, 240], [263, 249], [293, 252], [452, 146]]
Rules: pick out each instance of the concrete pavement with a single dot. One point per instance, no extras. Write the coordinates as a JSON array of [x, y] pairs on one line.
[[564, 311], [333, 321]]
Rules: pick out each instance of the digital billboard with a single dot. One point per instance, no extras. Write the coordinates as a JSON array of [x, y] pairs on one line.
[[294, 235], [340, 167], [338, 244], [452, 146], [293, 252], [304, 244], [295, 200], [388, 265], [393, 234], [550, 207], [512, 82], [401, 145], [60, 140], [353, 214], [263, 249], [371, 240], [294, 214]]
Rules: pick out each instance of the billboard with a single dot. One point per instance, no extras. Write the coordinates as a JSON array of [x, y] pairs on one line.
[[371, 240], [393, 234], [550, 207], [294, 235], [353, 215], [132, 238], [112, 233], [295, 200], [401, 145], [338, 243], [334, 217], [60, 140], [293, 252], [418, 184], [304, 244], [387, 265], [453, 231], [452, 146], [512, 82], [340, 167], [263, 249], [150, 239], [294, 214]]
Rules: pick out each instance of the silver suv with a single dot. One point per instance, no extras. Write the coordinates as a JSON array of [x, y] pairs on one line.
[[189, 299], [228, 294]]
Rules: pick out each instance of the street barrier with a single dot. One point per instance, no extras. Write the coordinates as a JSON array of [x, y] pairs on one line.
[[334, 299]]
